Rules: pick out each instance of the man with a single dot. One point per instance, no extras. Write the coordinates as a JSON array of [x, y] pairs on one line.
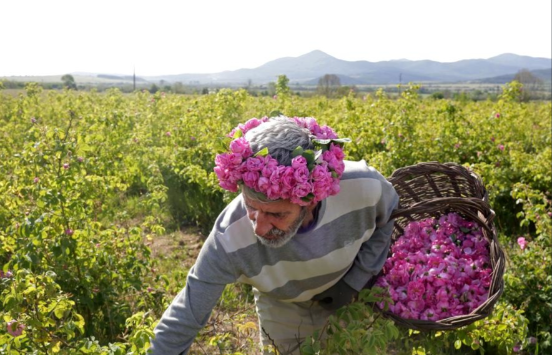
[[308, 232]]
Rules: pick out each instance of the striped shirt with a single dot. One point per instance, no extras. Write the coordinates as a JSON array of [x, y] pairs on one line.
[[350, 240]]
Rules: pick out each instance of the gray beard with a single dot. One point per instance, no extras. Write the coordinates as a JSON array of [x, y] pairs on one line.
[[279, 237]]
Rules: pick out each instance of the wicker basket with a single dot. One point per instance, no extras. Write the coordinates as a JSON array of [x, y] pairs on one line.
[[431, 190]]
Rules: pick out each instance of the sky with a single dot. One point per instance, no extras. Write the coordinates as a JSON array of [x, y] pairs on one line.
[[164, 37]]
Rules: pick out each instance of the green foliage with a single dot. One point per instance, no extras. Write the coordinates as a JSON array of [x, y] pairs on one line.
[[88, 180], [498, 334], [355, 329], [69, 82], [282, 87]]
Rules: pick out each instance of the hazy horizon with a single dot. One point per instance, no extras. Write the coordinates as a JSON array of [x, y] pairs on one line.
[[84, 73]]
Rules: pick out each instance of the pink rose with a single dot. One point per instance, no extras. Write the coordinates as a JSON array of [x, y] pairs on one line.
[[320, 172], [271, 165], [298, 162], [14, 328], [522, 243], [301, 174], [232, 187], [275, 174], [263, 184], [250, 178], [287, 179], [322, 187], [302, 189], [241, 146], [416, 290], [250, 124], [326, 132], [255, 163], [337, 151], [273, 192], [221, 172], [335, 187]]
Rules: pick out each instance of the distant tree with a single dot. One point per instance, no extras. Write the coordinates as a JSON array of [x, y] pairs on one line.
[[178, 88], [341, 91], [271, 88], [69, 82], [153, 89], [282, 88], [531, 84], [328, 84], [205, 91]]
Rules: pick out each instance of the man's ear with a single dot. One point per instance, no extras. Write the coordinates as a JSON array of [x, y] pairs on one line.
[[311, 206]]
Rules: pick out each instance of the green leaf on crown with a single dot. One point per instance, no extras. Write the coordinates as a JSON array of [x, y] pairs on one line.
[[297, 151], [262, 153], [309, 156], [237, 134], [275, 113], [324, 142]]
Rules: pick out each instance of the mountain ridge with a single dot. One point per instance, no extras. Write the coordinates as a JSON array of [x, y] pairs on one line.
[[309, 67]]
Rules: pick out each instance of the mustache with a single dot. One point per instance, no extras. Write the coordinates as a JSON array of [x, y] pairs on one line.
[[274, 232]]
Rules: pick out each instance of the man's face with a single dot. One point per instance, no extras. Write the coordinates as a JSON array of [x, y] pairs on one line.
[[274, 223]]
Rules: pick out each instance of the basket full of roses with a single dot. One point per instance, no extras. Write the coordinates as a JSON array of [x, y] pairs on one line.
[[445, 266]]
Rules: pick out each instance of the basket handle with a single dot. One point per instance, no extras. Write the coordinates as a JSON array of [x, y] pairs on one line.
[[470, 207]]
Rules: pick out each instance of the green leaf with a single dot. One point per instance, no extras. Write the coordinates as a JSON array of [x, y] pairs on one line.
[[297, 151], [59, 312], [262, 153], [457, 344], [275, 113], [309, 155], [237, 134], [321, 141]]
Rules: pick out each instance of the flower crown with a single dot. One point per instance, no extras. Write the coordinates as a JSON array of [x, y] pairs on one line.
[[312, 176]]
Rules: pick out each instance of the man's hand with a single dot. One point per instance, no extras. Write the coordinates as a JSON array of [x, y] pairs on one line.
[[336, 296]]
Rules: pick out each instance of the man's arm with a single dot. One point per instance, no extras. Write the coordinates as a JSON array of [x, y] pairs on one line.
[[190, 310], [373, 253]]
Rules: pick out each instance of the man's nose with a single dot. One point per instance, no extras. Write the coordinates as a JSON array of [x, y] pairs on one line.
[[260, 223]]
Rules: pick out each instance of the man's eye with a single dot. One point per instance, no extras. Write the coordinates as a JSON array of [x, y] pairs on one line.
[[277, 215]]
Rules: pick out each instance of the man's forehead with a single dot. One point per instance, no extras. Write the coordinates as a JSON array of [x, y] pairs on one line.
[[279, 206]]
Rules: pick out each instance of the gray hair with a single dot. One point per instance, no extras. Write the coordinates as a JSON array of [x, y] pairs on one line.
[[281, 136]]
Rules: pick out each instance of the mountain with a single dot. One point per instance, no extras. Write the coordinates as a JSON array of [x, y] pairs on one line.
[[308, 68], [544, 74]]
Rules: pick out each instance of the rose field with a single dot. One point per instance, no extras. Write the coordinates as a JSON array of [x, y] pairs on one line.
[[106, 198]]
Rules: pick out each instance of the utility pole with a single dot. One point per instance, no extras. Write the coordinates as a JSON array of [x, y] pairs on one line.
[[400, 83]]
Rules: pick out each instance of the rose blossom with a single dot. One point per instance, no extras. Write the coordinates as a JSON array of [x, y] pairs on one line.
[[241, 146], [14, 328], [444, 263], [522, 243]]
